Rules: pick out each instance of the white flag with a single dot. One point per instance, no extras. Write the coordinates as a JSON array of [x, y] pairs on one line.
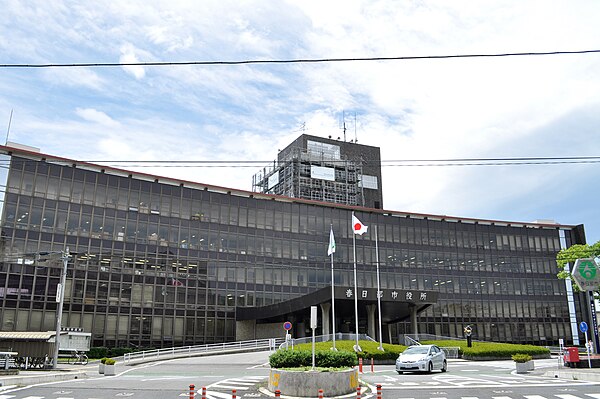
[[331, 248], [357, 226]]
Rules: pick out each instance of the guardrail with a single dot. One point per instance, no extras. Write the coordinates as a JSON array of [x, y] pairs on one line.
[[324, 338], [200, 350]]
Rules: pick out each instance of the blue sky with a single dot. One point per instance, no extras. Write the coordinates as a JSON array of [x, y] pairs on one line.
[[420, 109]]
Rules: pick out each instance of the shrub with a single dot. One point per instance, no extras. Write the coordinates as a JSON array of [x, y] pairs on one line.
[[98, 352], [502, 351], [110, 361], [103, 360], [302, 358], [369, 349], [521, 357]]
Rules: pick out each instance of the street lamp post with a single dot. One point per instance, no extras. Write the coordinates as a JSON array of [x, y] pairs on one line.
[[60, 297]]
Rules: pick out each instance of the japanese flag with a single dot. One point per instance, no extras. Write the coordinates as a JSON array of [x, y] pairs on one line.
[[357, 226]]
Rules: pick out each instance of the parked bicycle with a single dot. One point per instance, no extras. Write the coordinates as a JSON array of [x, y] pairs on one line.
[[78, 358]]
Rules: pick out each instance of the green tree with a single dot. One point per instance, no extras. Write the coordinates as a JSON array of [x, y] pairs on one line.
[[574, 252]]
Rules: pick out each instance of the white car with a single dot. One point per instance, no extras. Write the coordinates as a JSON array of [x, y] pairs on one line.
[[422, 358]]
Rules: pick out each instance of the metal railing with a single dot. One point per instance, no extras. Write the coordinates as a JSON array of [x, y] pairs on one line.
[[201, 350], [325, 338]]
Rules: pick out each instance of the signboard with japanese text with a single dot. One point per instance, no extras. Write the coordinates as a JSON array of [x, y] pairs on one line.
[[391, 295]]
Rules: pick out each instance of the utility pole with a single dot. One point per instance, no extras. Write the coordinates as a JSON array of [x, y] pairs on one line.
[[60, 297]]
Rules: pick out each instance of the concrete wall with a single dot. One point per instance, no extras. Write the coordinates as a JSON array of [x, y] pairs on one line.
[[248, 329], [308, 383]]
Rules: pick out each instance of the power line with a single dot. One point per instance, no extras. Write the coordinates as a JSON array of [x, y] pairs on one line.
[[292, 61], [383, 163]]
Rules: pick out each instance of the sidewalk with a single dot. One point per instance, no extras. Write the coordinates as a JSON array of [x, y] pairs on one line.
[[64, 372], [558, 370]]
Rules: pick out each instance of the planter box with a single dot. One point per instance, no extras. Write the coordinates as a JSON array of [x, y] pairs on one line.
[[530, 365], [109, 369], [308, 383], [101, 368], [523, 368]]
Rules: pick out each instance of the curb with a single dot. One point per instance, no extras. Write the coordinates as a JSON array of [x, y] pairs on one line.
[[41, 378], [573, 375]]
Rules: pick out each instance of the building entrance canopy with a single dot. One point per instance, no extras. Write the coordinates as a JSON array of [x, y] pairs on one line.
[[396, 305]]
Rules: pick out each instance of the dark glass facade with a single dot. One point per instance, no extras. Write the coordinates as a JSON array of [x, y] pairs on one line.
[[161, 262]]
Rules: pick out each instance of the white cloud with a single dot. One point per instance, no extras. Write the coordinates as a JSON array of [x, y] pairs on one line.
[[96, 116], [419, 109], [128, 56]]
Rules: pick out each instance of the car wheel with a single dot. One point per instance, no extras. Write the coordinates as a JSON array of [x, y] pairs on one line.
[[444, 366], [400, 372], [429, 367]]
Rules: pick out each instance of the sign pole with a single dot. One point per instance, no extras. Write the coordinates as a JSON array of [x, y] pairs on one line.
[[313, 326], [332, 291], [356, 346], [287, 326], [378, 290]]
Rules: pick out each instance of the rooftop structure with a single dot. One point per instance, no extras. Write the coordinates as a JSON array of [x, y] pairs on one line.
[[327, 170]]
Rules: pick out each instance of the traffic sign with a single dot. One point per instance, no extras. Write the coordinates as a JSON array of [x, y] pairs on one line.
[[583, 327], [287, 326], [586, 274]]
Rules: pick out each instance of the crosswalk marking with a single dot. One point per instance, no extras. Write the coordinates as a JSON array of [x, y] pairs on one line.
[[501, 397], [6, 396], [594, 395], [218, 395], [534, 397], [567, 396]]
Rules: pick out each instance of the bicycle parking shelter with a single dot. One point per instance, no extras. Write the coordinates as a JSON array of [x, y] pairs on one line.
[[35, 349]]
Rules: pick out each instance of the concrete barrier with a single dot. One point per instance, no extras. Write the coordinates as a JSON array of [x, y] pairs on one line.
[[308, 383]]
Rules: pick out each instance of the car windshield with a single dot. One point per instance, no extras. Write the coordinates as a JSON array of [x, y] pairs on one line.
[[416, 350]]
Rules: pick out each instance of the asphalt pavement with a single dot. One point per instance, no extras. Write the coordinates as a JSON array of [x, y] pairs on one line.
[[66, 372]]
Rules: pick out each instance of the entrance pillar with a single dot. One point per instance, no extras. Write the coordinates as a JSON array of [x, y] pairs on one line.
[[326, 318], [372, 331], [413, 321]]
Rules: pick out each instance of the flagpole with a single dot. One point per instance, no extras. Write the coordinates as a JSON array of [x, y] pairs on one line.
[[332, 295], [378, 289], [356, 347]]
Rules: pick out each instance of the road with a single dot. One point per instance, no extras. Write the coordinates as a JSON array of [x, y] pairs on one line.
[[247, 374]]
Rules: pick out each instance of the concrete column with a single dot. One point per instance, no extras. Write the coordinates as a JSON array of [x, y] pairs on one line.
[[413, 321], [301, 330], [326, 318], [371, 327]]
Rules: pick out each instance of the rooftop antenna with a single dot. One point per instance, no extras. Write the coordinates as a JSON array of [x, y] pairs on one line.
[[343, 125], [8, 129]]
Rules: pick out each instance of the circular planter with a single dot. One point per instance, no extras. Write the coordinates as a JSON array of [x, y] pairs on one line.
[[308, 383]]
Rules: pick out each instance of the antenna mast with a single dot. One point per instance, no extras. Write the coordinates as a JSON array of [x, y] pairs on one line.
[[344, 124], [8, 129]]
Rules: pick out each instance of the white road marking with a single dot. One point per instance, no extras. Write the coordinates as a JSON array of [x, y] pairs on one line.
[[7, 396], [534, 397], [594, 395], [567, 396]]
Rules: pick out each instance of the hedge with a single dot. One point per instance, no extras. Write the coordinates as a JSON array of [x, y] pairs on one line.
[[370, 349], [302, 358], [99, 352], [479, 350]]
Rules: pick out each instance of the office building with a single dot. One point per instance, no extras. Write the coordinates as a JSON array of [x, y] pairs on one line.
[[161, 262]]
